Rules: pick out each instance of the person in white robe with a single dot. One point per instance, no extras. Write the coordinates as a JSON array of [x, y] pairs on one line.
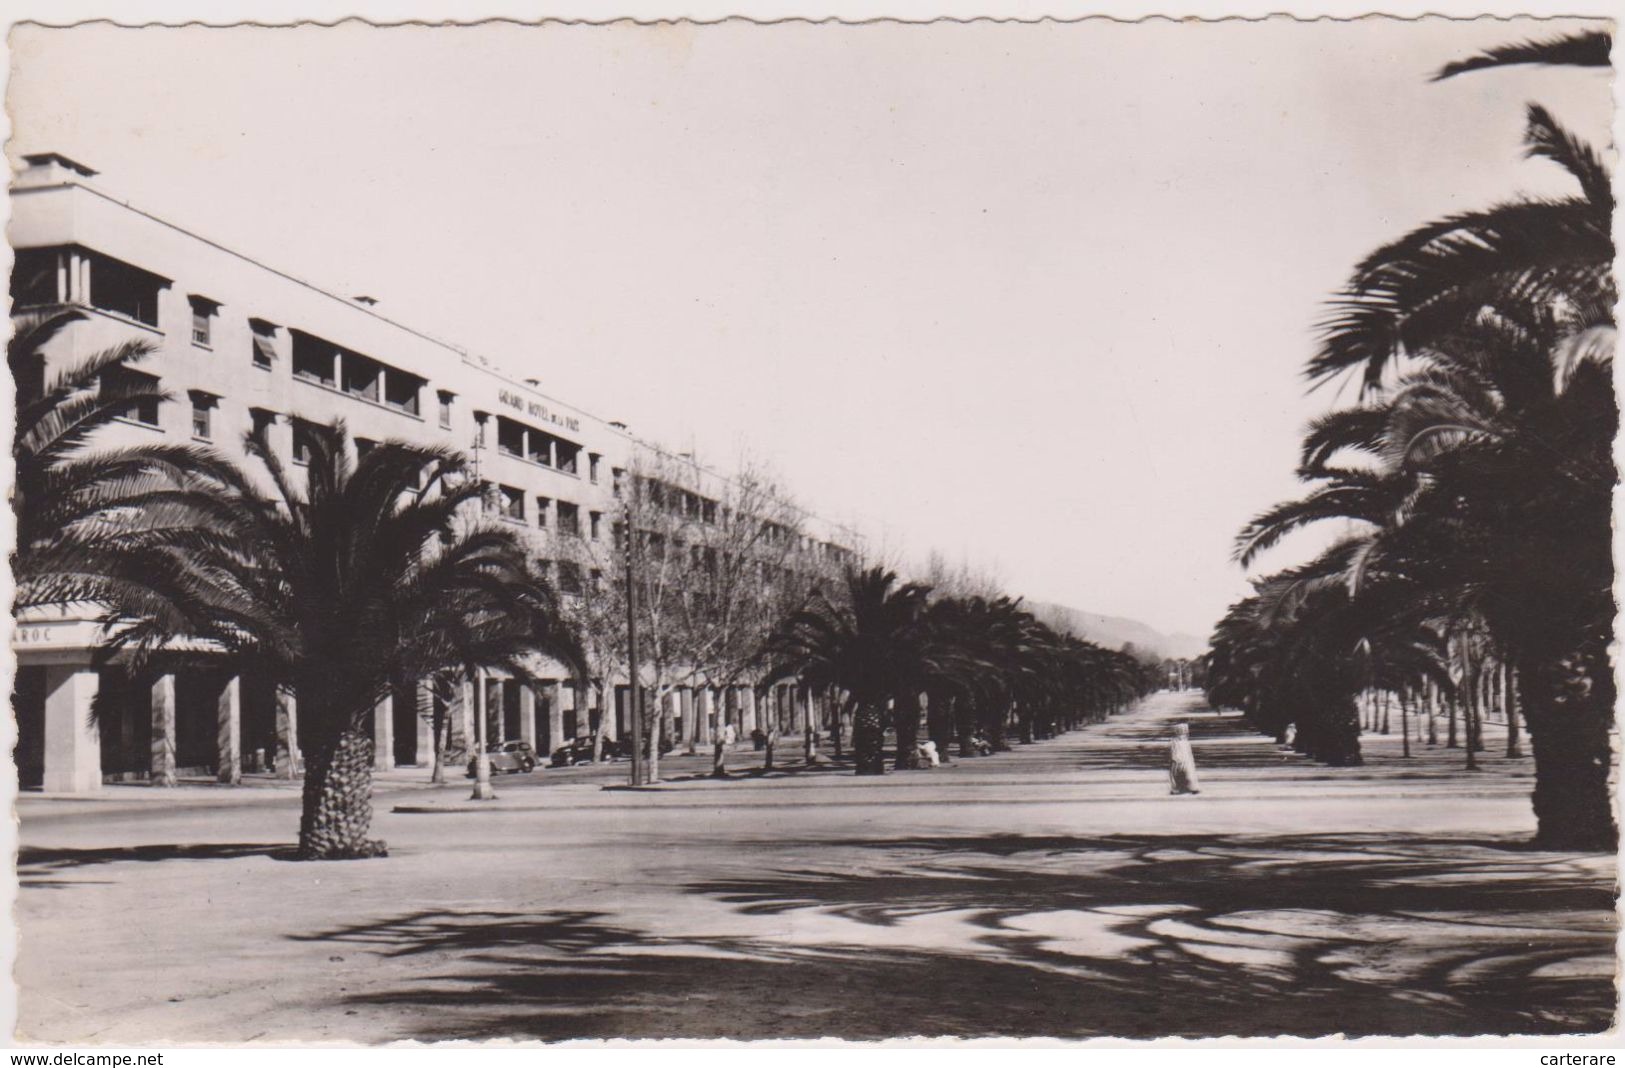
[[1181, 762]]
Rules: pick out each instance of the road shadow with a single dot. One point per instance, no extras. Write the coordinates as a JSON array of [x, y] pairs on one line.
[[1134, 936], [34, 863]]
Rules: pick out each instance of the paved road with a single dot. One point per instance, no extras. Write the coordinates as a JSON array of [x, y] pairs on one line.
[[1055, 890]]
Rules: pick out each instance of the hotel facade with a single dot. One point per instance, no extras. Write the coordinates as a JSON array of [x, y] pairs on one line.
[[238, 345]]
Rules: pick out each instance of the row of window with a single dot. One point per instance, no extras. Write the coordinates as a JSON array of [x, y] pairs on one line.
[[76, 276], [686, 504], [73, 275], [525, 442], [336, 367], [674, 500], [511, 503], [49, 276], [569, 577]]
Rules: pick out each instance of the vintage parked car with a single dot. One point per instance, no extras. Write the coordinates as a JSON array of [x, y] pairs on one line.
[[579, 751], [576, 751], [513, 757]]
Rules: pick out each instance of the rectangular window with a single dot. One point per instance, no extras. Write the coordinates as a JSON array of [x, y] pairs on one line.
[[264, 337], [596, 521], [304, 442], [445, 409], [361, 376], [569, 519], [203, 311], [401, 390], [39, 276], [567, 452], [142, 389], [314, 359], [510, 437], [617, 477], [541, 448], [569, 578], [124, 290], [542, 505], [592, 467], [261, 419], [202, 414], [513, 503]]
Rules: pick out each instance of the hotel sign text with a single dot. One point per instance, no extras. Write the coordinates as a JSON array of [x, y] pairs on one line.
[[538, 411]]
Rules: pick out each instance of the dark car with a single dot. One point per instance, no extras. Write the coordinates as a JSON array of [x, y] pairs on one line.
[[573, 752], [513, 757]]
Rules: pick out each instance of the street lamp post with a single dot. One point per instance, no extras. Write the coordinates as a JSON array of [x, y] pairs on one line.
[[482, 760]]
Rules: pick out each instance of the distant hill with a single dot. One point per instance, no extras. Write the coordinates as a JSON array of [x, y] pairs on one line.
[[1113, 631]]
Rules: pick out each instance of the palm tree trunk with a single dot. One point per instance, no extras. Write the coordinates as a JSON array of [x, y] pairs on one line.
[[438, 724], [995, 733], [1568, 715], [1509, 695], [1485, 674], [906, 725], [868, 739], [939, 718], [1469, 721], [809, 729], [338, 800], [1405, 723], [1340, 745], [1451, 704]]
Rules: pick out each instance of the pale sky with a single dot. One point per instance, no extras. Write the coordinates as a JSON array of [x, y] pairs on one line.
[[1035, 295]]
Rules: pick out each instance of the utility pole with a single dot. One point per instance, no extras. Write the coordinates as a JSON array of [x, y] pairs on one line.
[[634, 688], [476, 676]]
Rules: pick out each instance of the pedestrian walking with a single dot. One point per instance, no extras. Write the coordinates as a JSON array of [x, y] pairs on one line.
[[1181, 762]]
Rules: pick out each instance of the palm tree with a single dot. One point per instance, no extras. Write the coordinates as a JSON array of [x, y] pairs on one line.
[[1484, 343], [365, 578], [68, 492], [872, 644]]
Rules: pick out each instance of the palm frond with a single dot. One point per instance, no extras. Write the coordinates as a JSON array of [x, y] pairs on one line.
[[1588, 48]]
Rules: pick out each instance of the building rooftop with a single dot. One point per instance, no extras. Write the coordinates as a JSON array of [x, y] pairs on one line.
[[46, 159]]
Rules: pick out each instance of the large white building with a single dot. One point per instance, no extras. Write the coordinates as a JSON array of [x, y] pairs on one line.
[[239, 344]]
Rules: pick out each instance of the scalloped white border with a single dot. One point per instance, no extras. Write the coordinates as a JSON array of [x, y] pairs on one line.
[[1484, 1052], [226, 12]]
